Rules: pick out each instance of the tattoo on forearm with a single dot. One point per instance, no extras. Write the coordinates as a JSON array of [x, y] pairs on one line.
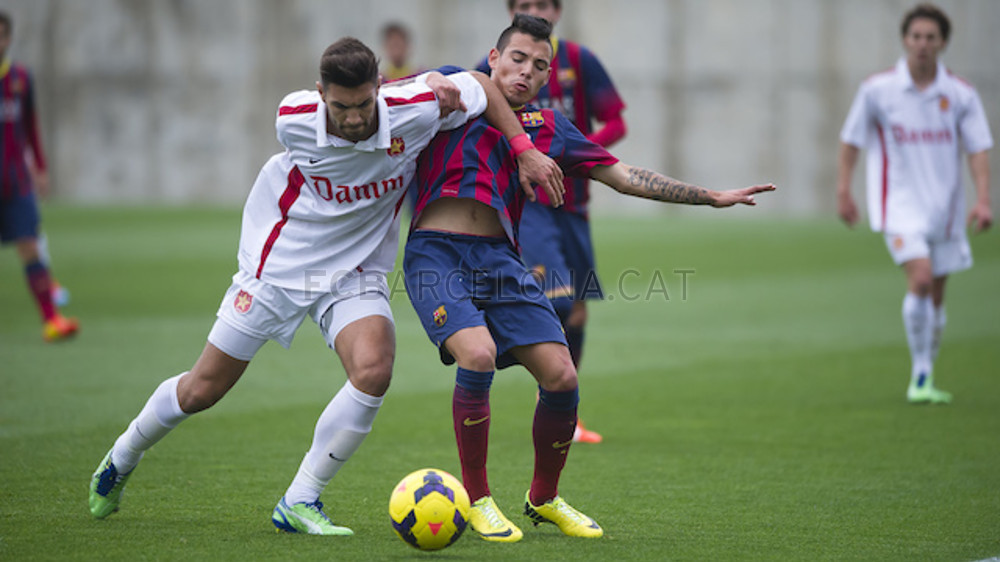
[[660, 187]]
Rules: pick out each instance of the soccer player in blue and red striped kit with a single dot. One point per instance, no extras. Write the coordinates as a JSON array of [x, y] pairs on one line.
[[581, 89], [474, 296], [19, 217]]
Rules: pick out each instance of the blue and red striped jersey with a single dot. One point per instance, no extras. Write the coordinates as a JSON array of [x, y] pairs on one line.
[[18, 130], [475, 162], [581, 89]]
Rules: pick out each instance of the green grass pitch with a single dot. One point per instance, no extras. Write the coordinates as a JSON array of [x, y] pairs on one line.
[[748, 376]]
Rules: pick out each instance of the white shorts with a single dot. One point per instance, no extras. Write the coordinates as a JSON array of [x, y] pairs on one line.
[[947, 256], [253, 312]]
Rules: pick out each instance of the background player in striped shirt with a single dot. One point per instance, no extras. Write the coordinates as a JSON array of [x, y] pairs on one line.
[[915, 120], [320, 232], [580, 88], [19, 216], [476, 299]]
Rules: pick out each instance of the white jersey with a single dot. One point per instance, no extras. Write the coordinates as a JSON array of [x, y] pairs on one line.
[[914, 140], [326, 205]]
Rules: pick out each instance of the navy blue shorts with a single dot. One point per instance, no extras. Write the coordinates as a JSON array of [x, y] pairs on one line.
[[556, 246], [458, 281], [19, 218]]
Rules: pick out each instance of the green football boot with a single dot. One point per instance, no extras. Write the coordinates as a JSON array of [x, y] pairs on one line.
[[489, 522], [922, 391], [106, 487], [305, 518], [557, 511]]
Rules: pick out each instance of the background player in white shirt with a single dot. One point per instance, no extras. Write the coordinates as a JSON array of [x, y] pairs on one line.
[[915, 120], [320, 230]]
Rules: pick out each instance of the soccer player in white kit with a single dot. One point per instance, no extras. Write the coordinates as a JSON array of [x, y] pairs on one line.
[[914, 121], [320, 231]]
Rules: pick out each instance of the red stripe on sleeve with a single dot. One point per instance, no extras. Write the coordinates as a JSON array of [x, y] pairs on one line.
[[885, 172], [293, 109], [426, 96], [288, 197]]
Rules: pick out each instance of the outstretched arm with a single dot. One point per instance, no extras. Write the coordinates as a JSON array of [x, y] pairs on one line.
[[640, 182]]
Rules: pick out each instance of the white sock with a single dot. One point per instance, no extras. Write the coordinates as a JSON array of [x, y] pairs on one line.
[[341, 428], [161, 413], [940, 320], [918, 318]]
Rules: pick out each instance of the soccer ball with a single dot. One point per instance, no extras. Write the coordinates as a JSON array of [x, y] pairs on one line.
[[429, 509]]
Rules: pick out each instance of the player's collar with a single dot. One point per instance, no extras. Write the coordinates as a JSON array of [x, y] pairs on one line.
[[4, 67], [555, 44], [903, 70]]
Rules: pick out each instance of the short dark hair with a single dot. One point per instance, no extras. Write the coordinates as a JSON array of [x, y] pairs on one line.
[[928, 11], [394, 27], [348, 63], [536, 27], [8, 26], [556, 3]]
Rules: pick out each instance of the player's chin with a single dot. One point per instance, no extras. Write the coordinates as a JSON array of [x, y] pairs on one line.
[[518, 97]]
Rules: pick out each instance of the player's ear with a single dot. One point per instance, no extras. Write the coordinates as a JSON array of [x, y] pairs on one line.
[[319, 88], [494, 58]]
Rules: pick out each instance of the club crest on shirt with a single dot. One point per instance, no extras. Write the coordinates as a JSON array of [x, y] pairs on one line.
[[243, 302], [944, 103], [898, 243], [440, 316], [532, 119], [396, 146], [566, 77]]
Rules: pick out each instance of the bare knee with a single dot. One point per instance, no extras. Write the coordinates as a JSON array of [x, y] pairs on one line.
[[578, 317], [919, 277], [482, 358], [209, 380], [27, 250], [196, 393], [559, 375], [371, 373], [473, 349], [921, 284]]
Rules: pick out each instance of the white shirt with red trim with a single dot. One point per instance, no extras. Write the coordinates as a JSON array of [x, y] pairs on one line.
[[914, 140], [326, 206]]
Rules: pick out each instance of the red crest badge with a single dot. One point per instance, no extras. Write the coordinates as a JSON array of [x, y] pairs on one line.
[[532, 119], [396, 146], [440, 316], [243, 302]]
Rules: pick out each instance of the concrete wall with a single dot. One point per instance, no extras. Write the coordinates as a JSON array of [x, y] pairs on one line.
[[172, 101]]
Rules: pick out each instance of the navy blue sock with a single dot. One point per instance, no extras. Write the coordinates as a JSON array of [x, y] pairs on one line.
[[476, 381]]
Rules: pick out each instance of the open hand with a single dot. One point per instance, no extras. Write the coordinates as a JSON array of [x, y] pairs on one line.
[[535, 168], [741, 196]]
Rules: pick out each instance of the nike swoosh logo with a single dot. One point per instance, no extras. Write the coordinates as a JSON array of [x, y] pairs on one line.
[[506, 533], [558, 445], [469, 422], [336, 459], [314, 160]]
